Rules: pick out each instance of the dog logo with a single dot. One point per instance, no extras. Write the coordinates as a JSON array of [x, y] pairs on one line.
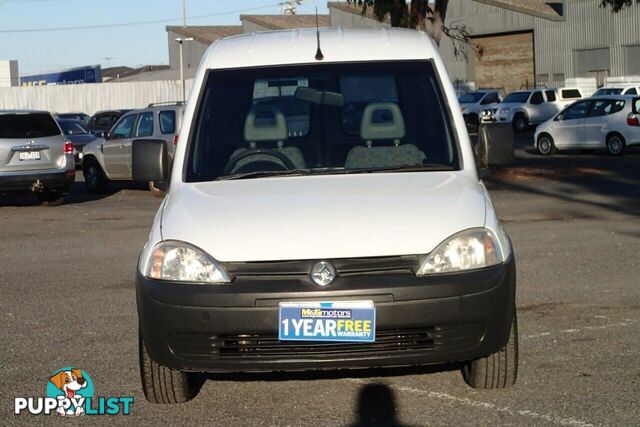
[[70, 392], [71, 386]]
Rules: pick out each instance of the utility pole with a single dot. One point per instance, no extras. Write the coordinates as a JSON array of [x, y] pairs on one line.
[[184, 13], [180, 41]]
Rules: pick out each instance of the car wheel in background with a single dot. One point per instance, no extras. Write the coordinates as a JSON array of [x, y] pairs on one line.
[[615, 144], [497, 370], [50, 198], [545, 145], [165, 385], [155, 190], [94, 177], [520, 122]]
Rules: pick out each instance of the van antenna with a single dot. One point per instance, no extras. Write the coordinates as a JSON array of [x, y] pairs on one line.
[[319, 55]]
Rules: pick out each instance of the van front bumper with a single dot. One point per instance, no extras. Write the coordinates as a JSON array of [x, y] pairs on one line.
[[234, 327]]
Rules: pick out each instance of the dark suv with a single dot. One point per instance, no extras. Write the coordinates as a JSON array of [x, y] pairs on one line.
[[35, 156]]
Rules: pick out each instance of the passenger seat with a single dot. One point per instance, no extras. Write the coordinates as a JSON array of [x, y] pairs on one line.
[[383, 121]]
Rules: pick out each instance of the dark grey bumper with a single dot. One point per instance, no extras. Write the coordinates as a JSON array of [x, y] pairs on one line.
[[229, 328]]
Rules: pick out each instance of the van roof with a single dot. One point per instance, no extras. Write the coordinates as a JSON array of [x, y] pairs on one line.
[[338, 45]]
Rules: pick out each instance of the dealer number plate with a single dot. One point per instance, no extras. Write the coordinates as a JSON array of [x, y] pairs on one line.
[[29, 155], [344, 321]]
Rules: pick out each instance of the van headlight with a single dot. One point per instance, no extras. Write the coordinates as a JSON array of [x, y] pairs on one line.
[[468, 250], [181, 262]]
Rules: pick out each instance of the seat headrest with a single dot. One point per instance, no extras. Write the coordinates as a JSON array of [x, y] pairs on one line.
[[265, 122], [382, 120]]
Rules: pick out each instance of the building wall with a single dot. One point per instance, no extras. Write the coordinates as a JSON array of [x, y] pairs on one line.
[[341, 18], [250, 27], [91, 98], [556, 43], [9, 74], [193, 52]]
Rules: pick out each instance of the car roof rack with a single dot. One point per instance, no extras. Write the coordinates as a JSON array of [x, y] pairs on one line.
[[156, 104]]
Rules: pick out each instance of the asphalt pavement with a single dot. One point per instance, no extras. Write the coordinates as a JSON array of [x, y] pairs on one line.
[[67, 298]]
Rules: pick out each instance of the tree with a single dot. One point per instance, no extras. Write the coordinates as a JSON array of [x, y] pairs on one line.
[[420, 14], [617, 5]]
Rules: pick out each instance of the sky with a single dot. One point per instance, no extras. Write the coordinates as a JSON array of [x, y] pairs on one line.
[[134, 45]]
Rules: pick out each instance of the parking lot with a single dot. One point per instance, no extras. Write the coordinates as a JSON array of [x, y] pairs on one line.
[[66, 278]]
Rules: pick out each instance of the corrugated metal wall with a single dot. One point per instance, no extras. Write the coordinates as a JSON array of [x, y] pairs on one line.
[[586, 26], [89, 98]]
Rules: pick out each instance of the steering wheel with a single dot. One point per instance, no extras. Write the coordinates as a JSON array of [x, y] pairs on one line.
[[288, 164]]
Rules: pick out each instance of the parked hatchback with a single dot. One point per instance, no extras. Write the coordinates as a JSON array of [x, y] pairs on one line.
[[603, 122], [324, 212], [35, 156], [109, 158]]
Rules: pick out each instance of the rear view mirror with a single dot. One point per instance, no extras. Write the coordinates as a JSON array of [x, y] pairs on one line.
[[150, 161], [319, 97]]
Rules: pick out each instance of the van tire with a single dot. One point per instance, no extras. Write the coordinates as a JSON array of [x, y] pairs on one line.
[[50, 198], [94, 177], [616, 144], [497, 370], [520, 123], [166, 385]]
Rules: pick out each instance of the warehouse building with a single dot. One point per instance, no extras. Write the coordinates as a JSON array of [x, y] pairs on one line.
[[525, 43], [514, 43]]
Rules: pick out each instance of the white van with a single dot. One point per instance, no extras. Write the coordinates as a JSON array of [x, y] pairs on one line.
[[324, 212]]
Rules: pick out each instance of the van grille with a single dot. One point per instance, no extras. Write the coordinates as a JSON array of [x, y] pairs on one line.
[[267, 346]]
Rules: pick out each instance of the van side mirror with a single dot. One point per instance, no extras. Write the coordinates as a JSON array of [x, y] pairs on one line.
[[150, 160]]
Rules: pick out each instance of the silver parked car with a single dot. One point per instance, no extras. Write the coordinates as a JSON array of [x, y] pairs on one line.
[[109, 159], [35, 156]]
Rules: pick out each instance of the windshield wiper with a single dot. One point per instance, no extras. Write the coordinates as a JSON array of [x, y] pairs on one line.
[[261, 174], [415, 168], [334, 171]]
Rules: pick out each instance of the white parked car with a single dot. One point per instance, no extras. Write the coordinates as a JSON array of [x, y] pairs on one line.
[[472, 104], [531, 107], [324, 211], [618, 90], [610, 122]]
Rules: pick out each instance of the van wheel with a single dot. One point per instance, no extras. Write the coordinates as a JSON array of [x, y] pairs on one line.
[[155, 191], [545, 145], [94, 177], [520, 122], [497, 370], [50, 198], [165, 385], [616, 144]]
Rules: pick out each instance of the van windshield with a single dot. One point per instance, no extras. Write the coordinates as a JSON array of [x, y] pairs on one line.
[[320, 119]]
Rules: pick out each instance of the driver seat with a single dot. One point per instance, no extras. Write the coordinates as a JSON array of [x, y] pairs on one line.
[[267, 123]]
